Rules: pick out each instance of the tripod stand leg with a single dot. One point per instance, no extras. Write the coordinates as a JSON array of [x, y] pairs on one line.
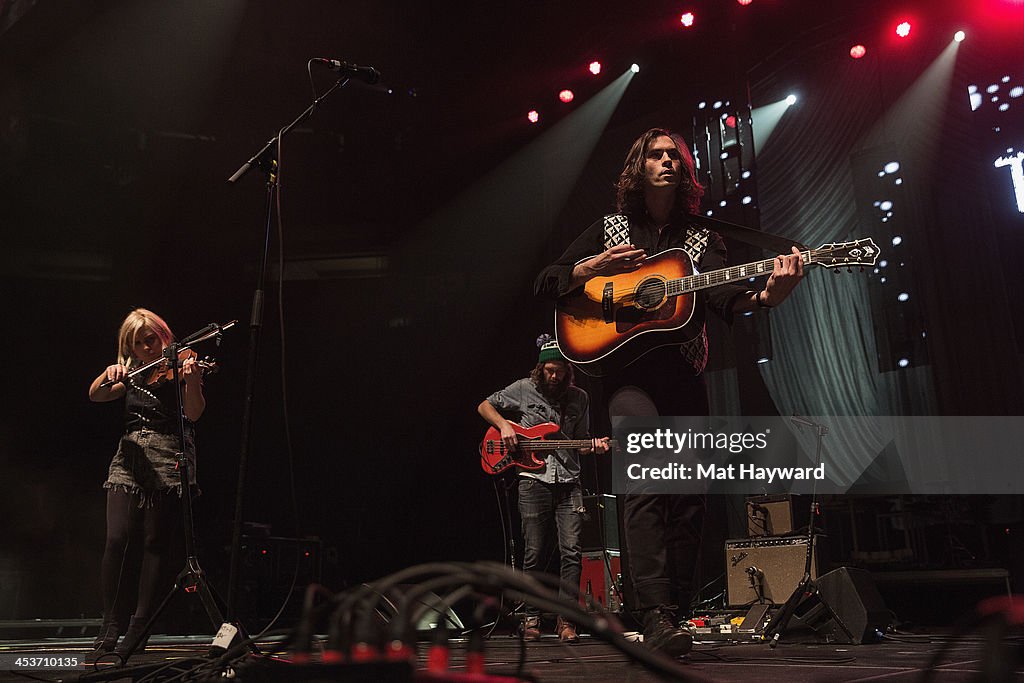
[[777, 626], [126, 654]]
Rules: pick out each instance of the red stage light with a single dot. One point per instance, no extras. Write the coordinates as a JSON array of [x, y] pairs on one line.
[[858, 51], [566, 96], [744, 2], [730, 121], [595, 67], [533, 116], [903, 29], [687, 19]]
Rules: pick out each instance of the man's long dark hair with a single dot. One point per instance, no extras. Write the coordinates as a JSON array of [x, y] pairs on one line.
[[629, 198]]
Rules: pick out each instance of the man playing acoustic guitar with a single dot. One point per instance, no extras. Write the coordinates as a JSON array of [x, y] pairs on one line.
[[551, 493], [656, 193]]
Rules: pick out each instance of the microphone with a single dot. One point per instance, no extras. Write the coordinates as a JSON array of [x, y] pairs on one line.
[[366, 74]]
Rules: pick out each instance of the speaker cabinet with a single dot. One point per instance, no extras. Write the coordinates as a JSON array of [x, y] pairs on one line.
[[600, 524], [772, 564], [845, 608], [600, 579], [769, 515]]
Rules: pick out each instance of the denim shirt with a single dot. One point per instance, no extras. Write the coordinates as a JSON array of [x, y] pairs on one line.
[[522, 402]]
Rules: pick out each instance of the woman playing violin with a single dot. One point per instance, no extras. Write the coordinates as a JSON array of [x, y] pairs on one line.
[[143, 487]]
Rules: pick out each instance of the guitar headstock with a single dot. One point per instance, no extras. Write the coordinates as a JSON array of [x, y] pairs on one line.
[[862, 252]]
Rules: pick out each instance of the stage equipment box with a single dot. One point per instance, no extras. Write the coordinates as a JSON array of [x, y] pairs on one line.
[[775, 563], [769, 515], [600, 528], [601, 579]]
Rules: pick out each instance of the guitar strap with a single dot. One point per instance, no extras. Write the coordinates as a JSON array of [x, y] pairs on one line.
[[741, 233]]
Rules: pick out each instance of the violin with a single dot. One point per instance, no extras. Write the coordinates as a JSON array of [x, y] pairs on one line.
[[164, 371]]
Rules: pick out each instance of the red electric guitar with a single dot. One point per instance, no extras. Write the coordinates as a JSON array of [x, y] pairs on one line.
[[495, 458]]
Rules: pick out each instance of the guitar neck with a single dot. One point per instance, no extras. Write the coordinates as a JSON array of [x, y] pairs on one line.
[[554, 444], [693, 283]]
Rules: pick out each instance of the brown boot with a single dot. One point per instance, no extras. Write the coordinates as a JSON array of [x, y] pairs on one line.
[[531, 628], [566, 631]]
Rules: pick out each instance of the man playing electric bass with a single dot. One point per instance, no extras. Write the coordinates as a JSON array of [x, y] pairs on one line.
[[657, 191], [552, 493]]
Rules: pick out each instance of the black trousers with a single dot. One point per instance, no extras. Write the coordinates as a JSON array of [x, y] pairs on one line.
[[663, 532]]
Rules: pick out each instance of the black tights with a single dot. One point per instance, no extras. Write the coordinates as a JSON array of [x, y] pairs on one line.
[[153, 525]]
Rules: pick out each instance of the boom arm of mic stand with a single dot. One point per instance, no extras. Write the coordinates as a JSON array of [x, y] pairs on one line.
[[262, 158]]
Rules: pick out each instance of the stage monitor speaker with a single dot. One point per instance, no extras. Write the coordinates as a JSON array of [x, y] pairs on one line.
[[846, 608], [770, 515], [773, 564]]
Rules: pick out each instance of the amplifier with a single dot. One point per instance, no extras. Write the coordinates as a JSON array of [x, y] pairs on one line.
[[601, 579], [600, 524], [773, 565], [770, 515]]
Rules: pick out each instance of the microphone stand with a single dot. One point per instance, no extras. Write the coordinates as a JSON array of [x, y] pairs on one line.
[[266, 160], [807, 586]]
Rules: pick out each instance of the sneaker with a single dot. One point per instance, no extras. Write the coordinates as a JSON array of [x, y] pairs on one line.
[[662, 635], [566, 631]]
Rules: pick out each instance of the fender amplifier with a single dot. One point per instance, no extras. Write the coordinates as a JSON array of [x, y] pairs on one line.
[[773, 565]]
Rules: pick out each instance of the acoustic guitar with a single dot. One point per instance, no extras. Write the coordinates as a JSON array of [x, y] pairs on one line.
[[612, 321]]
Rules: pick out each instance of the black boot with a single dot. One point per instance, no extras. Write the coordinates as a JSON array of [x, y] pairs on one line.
[[105, 641], [133, 637], [662, 635]]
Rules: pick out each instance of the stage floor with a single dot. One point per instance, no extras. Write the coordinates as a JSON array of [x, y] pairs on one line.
[[594, 661]]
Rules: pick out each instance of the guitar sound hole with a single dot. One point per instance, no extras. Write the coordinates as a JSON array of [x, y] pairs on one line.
[[650, 294]]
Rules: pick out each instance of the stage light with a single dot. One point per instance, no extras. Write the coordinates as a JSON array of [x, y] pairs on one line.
[[566, 96], [635, 68], [744, 2], [858, 51], [595, 67], [902, 297], [891, 167], [730, 121], [790, 100], [903, 29], [897, 240], [959, 36], [533, 116], [687, 19], [903, 362]]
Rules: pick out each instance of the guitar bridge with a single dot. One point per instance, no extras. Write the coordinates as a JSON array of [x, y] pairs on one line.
[[606, 303]]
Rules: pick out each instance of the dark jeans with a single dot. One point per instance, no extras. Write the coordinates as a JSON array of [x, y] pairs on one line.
[[540, 505], [663, 532]]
